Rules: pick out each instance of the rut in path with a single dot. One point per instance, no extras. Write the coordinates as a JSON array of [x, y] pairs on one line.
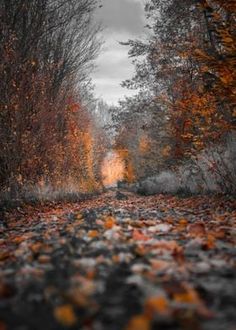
[[120, 261]]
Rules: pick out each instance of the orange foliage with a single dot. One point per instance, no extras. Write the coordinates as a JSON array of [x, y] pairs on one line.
[[144, 144], [129, 175], [46, 135], [203, 108], [197, 121]]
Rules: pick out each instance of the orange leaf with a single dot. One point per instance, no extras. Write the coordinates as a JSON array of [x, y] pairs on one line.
[[190, 296], [197, 230], [109, 223], [218, 233], [44, 259], [155, 305], [139, 236], [139, 322], [79, 216], [93, 233], [210, 242], [35, 248], [183, 222], [4, 255], [116, 259], [65, 315], [168, 245]]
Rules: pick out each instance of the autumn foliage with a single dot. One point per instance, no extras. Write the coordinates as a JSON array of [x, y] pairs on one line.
[[205, 111], [46, 133], [185, 77]]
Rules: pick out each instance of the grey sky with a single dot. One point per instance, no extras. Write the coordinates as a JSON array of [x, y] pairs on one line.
[[122, 20]]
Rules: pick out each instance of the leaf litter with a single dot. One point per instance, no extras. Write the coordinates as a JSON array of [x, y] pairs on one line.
[[140, 263]]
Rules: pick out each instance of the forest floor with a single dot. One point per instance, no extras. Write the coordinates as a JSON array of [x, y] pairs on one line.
[[120, 261]]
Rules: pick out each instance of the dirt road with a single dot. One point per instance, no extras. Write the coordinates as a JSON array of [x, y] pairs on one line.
[[120, 261]]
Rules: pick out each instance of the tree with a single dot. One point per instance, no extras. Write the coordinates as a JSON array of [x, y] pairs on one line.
[[46, 48], [185, 72]]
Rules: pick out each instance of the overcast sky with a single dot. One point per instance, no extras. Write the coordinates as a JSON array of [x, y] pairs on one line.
[[122, 20]]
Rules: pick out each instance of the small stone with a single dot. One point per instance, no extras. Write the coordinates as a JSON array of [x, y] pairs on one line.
[[201, 268], [161, 227]]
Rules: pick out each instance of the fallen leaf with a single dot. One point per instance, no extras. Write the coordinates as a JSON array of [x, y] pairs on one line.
[[109, 222], [116, 259], [183, 222], [65, 315], [139, 322], [4, 255], [197, 230], [167, 245], [140, 250], [44, 259], [93, 233], [156, 305], [18, 239], [78, 298], [139, 236], [79, 216], [190, 296], [35, 248], [218, 233], [209, 243]]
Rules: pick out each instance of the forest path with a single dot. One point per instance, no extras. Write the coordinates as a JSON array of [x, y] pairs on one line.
[[120, 261]]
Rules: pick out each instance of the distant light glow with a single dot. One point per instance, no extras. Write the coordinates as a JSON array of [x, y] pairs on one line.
[[113, 169]]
